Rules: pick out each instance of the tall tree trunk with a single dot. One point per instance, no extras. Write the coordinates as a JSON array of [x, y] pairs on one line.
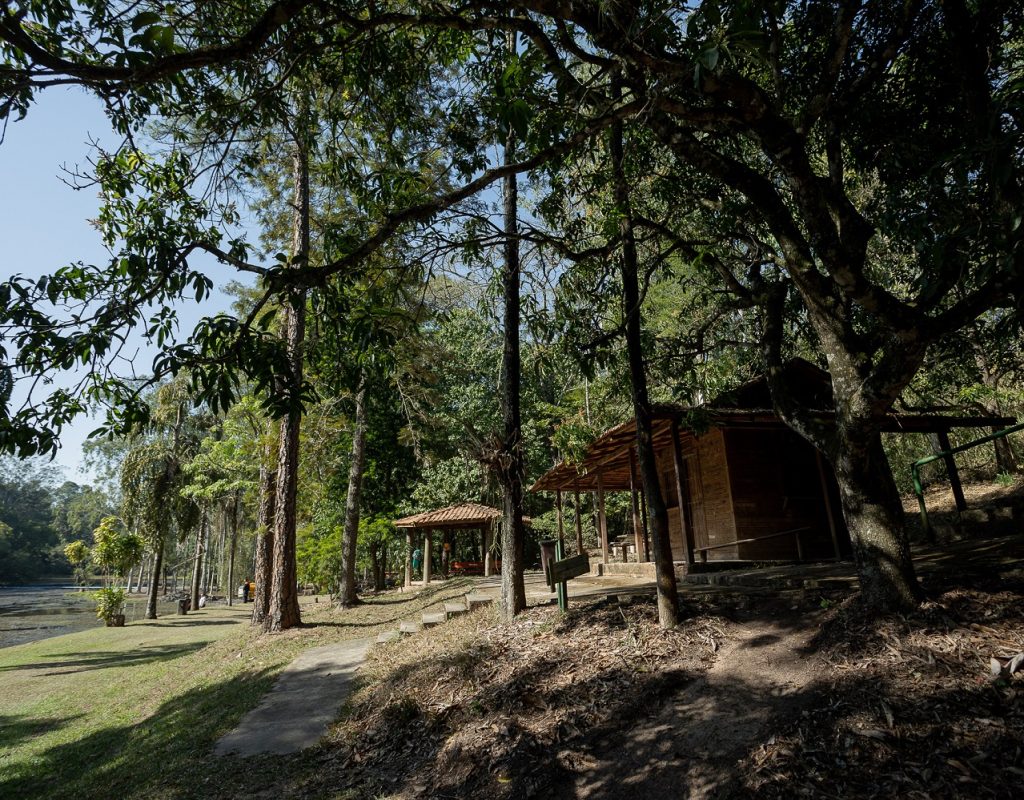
[[862, 393], [154, 579], [668, 598], [347, 595], [510, 459], [197, 567], [264, 555], [380, 574], [874, 517], [283, 611], [232, 547]]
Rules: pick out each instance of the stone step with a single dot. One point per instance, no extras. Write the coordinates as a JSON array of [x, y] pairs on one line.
[[410, 627], [432, 618], [454, 609], [388, 636], [474, 601]]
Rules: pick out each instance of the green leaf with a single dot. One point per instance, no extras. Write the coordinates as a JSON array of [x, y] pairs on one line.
[[144, 19], [266, 319]]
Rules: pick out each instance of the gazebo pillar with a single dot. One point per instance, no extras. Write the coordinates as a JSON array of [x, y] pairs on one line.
[[602, 521], [409, 544], [488, 562], [426, 556]]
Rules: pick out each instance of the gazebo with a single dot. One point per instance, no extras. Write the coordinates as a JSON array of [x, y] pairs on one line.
[[465, 516]]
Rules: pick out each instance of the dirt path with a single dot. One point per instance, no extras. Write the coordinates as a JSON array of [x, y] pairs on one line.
[[689, 749]]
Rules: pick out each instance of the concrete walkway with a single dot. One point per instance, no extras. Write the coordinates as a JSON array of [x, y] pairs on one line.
[[305, 700]]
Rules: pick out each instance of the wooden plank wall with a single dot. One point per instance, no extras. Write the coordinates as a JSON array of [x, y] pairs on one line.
[[675, 535], [713, 506], [776, 487], [667, 477]]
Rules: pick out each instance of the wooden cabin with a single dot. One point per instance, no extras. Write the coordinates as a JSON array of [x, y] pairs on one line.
[[740, 485]]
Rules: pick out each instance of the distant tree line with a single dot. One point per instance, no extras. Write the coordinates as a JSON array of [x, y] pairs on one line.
[[40, 513]]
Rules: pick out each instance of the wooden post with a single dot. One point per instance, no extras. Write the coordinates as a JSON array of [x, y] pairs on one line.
[[558, 512], [602, 521], [409, 545], [638, 531], [579, 521], [643, 522], [941, 438], [682, 477], [488, 565], [426, 556], [563, 587], [827, 495]]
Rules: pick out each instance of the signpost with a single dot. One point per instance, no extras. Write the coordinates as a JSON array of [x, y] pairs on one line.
[[560, 570]]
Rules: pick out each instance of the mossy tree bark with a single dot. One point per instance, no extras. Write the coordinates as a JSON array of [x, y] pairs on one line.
[[283, 609]]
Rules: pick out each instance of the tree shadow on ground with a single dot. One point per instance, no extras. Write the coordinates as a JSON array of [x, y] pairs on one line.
[[186, 622], [866, 737], [166, 754], [82, 662], [18, 728], [444, 593]]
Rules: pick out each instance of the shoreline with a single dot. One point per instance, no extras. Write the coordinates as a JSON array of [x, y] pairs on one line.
[[34, 612]]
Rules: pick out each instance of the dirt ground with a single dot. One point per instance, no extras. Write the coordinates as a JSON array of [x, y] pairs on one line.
[[765, 672], [791, 694]]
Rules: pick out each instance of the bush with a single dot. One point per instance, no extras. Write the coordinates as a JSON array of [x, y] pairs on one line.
[[110, 605]]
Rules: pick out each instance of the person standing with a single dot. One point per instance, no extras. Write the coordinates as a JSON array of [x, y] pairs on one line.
[[246, 591], [417, 559]]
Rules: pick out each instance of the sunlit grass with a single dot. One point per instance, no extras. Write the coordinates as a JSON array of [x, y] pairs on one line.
[[135, 711]]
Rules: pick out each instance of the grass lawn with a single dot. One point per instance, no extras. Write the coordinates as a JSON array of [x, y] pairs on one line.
[[135, 711]]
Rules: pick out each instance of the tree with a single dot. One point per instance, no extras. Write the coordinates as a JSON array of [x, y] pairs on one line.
[[509, 458], [78, 510], [115, 551], [864, 155], [28, 540], [153, 479], [224, 473]]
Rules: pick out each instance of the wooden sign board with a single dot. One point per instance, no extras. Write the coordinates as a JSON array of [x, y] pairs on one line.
[[572, 567]]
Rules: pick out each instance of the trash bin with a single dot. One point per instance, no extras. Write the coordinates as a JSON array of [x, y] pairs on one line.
[[547, 556], [183, 605]]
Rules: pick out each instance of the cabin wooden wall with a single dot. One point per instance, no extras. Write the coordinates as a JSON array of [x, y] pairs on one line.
[[708, 493], [776, 486], [667, 478], [747, 483], [716, 500]]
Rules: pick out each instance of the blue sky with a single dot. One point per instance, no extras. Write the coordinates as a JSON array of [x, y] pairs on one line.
[[44, 223]]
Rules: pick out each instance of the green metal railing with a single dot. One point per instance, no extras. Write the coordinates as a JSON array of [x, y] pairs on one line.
[[915, 470]]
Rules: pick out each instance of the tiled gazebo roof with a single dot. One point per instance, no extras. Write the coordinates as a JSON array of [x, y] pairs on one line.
[[464, 515]]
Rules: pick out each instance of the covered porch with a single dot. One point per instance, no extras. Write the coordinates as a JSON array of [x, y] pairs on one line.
[[741, 487]]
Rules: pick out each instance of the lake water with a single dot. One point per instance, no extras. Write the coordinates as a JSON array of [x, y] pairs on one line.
[[30, 613]]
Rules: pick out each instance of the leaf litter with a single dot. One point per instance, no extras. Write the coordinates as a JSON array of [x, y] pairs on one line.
[[910, 708], [477, 705]]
